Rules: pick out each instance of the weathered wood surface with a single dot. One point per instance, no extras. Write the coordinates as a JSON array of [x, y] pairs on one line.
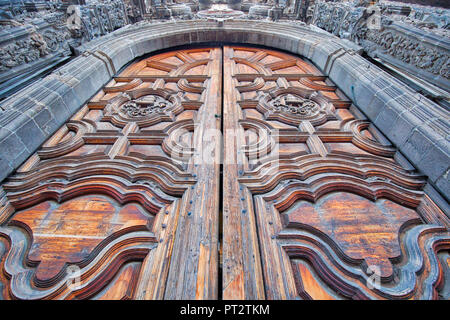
[[127, 196], [116, 193], [319, 194]]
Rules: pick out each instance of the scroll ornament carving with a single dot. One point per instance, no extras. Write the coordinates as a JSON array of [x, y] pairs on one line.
[[31, 49], [336, 20], [49, 32], [134, 14], [323, 15], [350, 22], [412, 52], [151, 104], [116, 14], [57, 39], [90, 26], [102, 14], [296, 105]]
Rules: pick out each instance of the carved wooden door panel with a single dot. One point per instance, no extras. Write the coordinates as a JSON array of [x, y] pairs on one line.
[[113, 206], [126, 199], [316, 203]]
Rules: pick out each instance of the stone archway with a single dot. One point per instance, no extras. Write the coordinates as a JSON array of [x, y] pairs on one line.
[[384, 100], [36, 112], [310, 190]]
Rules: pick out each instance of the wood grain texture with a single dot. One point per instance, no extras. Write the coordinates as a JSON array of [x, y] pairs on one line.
[[318, 193], [316, 203]]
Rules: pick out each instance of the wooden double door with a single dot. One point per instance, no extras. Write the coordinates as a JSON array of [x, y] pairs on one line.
[[220, 172]]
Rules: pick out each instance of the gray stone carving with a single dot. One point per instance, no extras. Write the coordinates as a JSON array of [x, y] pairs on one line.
[[415, 38], [259, 11], [38, 35], [35, 35], [295, 105]]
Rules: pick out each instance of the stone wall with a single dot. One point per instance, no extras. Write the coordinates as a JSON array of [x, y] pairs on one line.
[[38, 35], [35, 37]]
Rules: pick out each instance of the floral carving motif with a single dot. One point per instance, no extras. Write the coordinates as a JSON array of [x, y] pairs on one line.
[[409, 51], [145, 106], [295, 105], [390, 39], [48, 31]]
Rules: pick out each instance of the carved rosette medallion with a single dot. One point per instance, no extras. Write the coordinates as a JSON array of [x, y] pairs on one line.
[[145, 106], [295, 105]]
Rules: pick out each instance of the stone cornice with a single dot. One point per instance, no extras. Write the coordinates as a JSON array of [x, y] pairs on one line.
[[416, 125]]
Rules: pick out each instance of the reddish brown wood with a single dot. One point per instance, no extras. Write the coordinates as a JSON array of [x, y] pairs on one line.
[[314, 198]]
